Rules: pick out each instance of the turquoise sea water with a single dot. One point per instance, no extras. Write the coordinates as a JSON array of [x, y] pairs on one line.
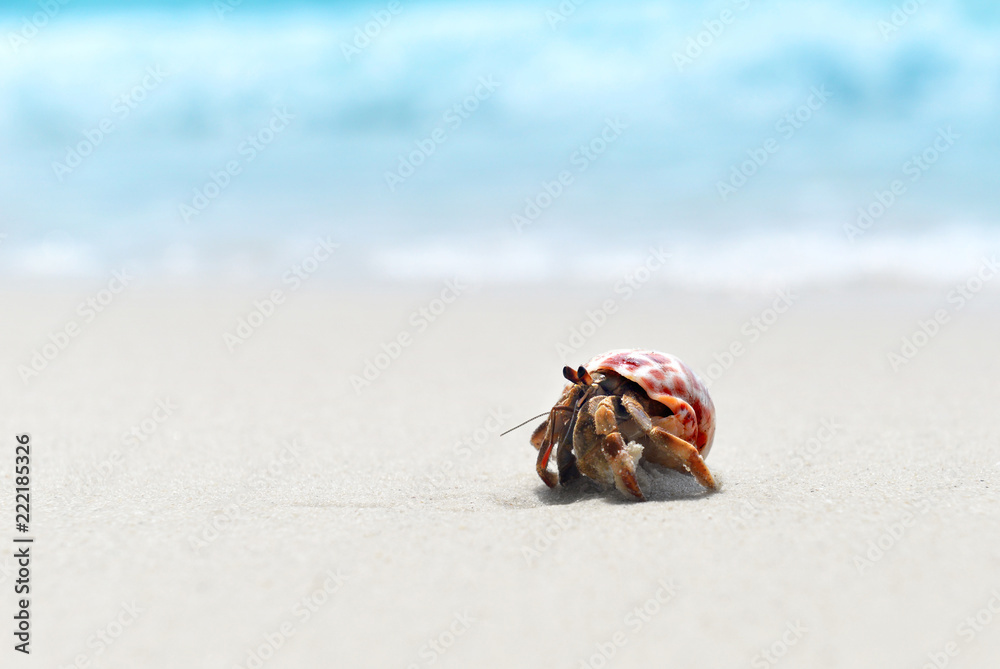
[[755, 141]]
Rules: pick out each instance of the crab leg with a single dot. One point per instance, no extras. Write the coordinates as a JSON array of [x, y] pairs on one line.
[[538, 435], [612, 461], [684, 452], [667, 449], [622, 465], [615, 450], [545, 450], [565, 459], [549, 429]]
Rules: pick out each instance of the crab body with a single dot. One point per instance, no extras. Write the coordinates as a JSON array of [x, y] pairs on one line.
[[623, 406]]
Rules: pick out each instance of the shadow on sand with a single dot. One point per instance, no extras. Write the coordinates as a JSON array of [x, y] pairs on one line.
[[658, 483]]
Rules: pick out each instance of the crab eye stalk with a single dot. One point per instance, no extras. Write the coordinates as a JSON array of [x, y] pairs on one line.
[[584, 375], [570, 374]]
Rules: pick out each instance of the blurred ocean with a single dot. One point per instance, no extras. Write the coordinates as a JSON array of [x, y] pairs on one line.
[[758, 143]]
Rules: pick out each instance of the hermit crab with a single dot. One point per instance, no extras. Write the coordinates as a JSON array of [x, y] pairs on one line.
[[622, 406]]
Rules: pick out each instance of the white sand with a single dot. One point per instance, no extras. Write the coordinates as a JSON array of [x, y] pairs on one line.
[[915, 452]]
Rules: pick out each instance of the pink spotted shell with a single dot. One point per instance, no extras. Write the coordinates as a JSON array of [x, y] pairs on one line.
[[670, 382]]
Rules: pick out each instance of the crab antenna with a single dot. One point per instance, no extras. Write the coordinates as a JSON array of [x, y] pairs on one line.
[[584, 375], [546, 413], [555, 408], [570, 374]]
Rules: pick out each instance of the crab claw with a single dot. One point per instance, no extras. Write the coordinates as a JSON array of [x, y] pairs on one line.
[[622, 459], [542, 463]]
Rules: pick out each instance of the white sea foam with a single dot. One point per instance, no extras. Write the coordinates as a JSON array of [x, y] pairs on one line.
[[752, 261], [741, 262]]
